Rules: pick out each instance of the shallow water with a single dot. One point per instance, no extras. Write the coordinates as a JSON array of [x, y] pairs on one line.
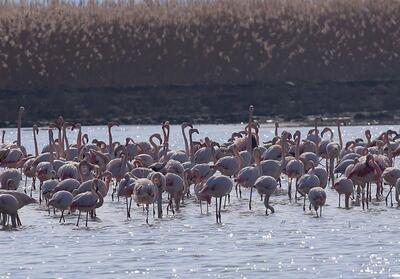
[[290, 243]]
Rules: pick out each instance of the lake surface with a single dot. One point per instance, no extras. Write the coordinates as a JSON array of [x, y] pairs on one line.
[[289, 244]]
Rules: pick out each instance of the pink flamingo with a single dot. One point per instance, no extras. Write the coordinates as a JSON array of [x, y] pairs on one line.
[[317, 197], [266, 186], [364, 172], [9, 206], [307, 182], [344, 186], [294, 168], [22, 198], [28, 169], [62, 201], [6, 176], [125, 189], [146, 192], [118, 167], [87, 201], [174, 186], [217, 186]]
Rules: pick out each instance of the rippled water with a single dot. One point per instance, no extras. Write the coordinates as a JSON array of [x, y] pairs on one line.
[[290, 243]]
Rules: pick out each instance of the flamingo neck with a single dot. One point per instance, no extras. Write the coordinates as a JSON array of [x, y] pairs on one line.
[[186, 141], [35, 143]]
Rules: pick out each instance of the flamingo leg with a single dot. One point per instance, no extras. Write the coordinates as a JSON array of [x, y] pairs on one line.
[[216, 209], [266, 201], [40, 192], [147, 214], [304, 203], [219, 211], [4, 219], [114, 189], [363, 197], [79, 217], [127, 208], [391, 198], [171, 206], [251, 194], [87, 217], [159, 203], [18, 220], [13, 221], [62, 215], [339, 200], [26, 180], [130, 206], [290, 189]]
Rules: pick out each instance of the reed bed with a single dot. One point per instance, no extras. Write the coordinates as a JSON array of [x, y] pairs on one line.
[[126, 43]]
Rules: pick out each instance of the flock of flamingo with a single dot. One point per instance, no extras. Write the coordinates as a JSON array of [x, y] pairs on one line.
[[78, 177]]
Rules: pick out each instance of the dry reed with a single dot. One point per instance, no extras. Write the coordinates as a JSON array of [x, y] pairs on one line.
[[127, 43]]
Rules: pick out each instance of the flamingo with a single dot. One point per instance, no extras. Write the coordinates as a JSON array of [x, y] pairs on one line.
[[146, 192], [322, 175], [110, 146], [102, 186], [69, 184], [266, 185], [9, 206], [294, 168], [68, 170], [27, 168], [204, 154], [183, 127], [230, 165], [313, 135], [317, 197], [174, 186], [87, 201], [217, 186], [22, 198], [364, 172], [390, 175], [62, 201], [248, 176], [48, 187], [6, 176], [159, 180], [344, 186], [125, 189], [118, 167], [274, 168], [307, 182]]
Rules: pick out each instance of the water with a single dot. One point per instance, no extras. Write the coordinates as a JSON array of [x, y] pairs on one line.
[[290, 243]]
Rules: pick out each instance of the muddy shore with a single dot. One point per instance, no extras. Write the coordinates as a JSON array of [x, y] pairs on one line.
[[294, 102]]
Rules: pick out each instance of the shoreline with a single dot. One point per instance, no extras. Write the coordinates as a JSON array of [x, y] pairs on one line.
[[296, 103]]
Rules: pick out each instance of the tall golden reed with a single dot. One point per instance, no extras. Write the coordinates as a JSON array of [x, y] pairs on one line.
[[83, 44]]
